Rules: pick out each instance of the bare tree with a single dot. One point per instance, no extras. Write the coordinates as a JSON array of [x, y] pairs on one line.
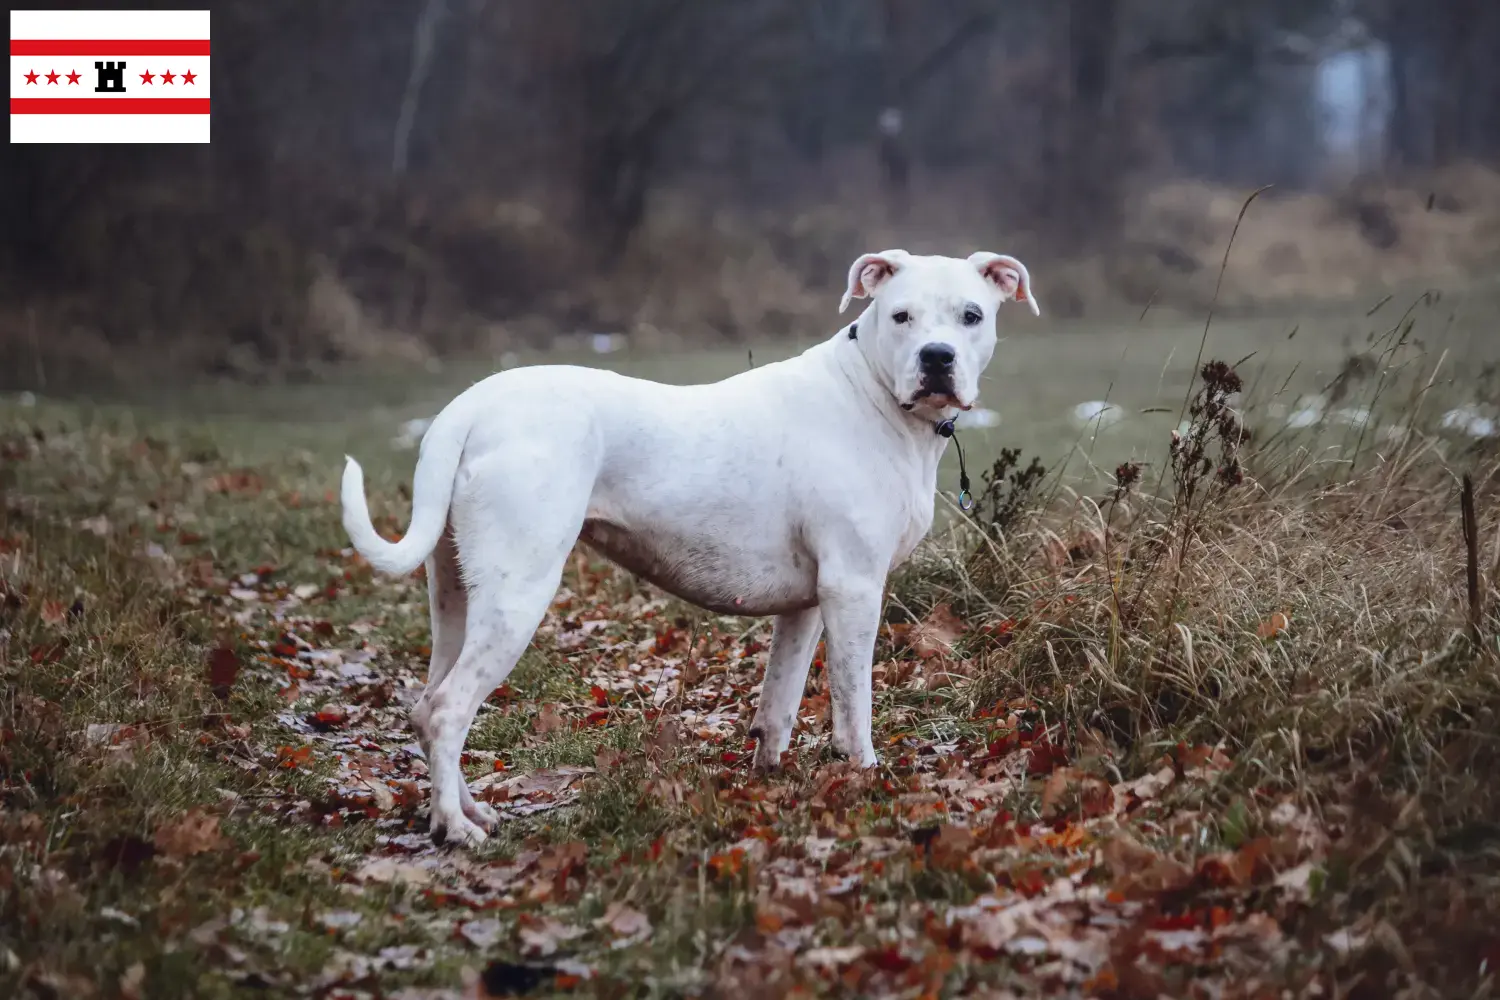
[[423, 39]]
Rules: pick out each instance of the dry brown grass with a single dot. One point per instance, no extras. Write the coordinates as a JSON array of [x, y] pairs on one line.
[[1310, 246], [1310, 621]]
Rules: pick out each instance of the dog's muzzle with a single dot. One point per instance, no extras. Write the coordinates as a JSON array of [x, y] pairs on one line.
[[935, 365]]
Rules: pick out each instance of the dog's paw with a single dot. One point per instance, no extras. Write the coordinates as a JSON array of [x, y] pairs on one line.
[[483, 814], [861, 752], [766, 760], [458, 830]]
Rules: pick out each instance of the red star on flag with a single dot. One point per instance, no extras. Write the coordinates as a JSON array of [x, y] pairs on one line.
[[189, 76], [147, 76], [72, 78], [168, 77], [52, 78], [31, 77]]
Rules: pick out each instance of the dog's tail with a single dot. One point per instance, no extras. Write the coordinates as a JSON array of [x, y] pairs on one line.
[[432, 491]]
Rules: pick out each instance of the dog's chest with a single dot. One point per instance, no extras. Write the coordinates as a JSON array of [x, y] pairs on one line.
[[917, 517]]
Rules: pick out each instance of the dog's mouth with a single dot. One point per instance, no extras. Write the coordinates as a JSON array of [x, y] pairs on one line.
[[938, 397]]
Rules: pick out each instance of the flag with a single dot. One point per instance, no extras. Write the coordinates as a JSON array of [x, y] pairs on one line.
[[109, 76]]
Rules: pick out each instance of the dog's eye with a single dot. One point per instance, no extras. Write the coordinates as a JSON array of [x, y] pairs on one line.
[[972, 316], [901, 316]]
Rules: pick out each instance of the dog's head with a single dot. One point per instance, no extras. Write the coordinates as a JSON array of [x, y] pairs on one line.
[[931, 328]]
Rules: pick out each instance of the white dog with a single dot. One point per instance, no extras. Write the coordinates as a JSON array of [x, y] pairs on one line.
[[788, 490]]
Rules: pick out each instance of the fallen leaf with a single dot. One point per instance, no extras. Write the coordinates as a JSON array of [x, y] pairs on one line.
[[1231, 868], [664, 741], [542, 936], [223, 668], [482, 934], [385, 800], [952, 845], [1095, 797], [119, 916], [832, 958], [625, 923], [1273, 626], [339, 920], [98, 734], [393, 870], [548, 720], [290, 757], [1140, 871], [606, 759], [1346, 941], [667, 791], [54, 612], [328, 718], [194, 832], [940, 672], [1146, 787], [546, 783], [1202, 761], [1298, 881], [936, 634]]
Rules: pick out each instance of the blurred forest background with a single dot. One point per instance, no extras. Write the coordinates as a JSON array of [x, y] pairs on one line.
[[412, 179]]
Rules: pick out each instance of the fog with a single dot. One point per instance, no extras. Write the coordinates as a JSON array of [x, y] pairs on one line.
[[439, 176]]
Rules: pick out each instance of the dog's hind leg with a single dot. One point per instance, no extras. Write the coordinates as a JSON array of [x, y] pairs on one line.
[[512, 573], [448, 604], [794, 638]]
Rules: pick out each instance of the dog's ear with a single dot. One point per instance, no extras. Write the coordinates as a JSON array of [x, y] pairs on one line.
[[1007, 274], [869, 272]]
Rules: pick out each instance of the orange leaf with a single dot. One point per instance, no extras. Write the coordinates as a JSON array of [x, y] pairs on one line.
[[290, 757], [328, 717], [1273, 626], [194, 832], [935, 634]]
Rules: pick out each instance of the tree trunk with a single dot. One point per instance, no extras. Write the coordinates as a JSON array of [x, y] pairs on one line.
[[424, 40]]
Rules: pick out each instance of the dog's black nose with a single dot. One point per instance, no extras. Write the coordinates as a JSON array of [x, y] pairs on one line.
[[938, 356]]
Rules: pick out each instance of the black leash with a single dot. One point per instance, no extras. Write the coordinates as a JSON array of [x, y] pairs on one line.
[[946, 429]]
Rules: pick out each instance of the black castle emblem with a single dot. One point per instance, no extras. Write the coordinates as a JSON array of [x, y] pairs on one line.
[[111, 77]]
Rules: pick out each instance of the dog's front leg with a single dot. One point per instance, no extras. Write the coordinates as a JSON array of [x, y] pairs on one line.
[[794, 637], [851, 615]]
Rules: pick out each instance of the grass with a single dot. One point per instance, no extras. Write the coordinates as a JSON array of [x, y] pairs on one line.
[[1135, 742], [1041, 370]]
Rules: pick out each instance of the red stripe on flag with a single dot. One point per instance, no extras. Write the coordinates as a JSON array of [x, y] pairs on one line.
[[105, 47], [109, 105]]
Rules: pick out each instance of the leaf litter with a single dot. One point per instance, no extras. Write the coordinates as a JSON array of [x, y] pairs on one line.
[[983, 841]]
